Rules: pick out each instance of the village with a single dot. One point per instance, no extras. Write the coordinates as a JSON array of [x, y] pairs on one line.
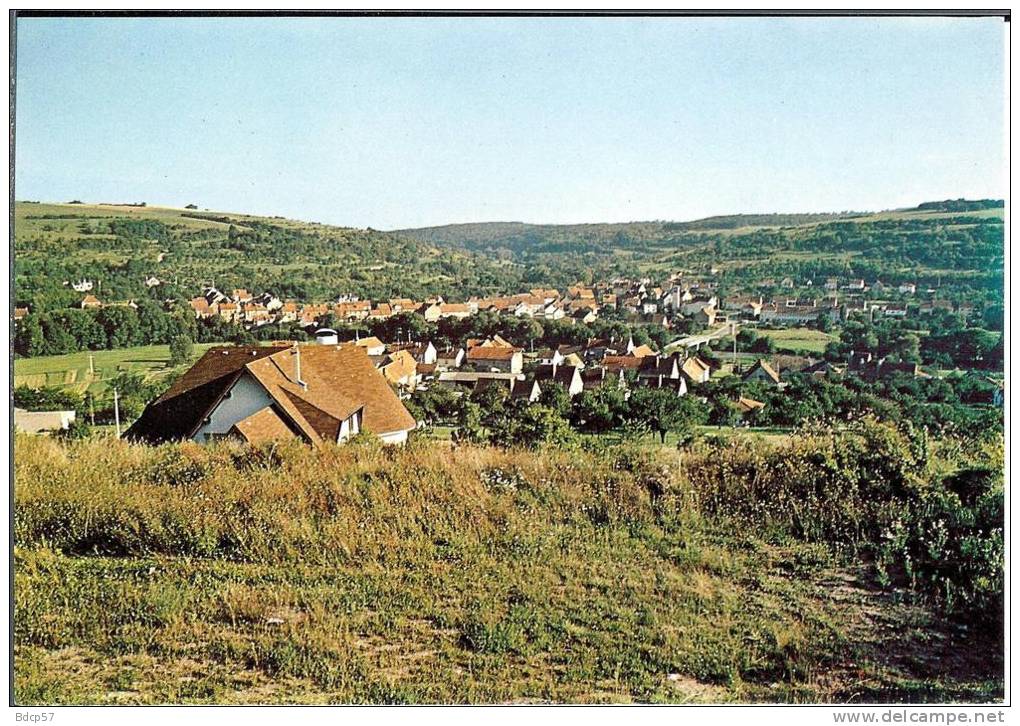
[[637, 301], [681, 324]]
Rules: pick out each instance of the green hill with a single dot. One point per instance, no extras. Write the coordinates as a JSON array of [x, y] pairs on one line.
[[956, 244], [120, 246]]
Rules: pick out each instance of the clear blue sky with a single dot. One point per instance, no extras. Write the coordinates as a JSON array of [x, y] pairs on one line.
[[410, 122]]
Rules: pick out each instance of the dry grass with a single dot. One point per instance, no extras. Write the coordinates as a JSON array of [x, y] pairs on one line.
[[424, 574]]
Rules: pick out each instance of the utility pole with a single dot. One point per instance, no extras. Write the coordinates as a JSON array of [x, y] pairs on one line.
[[92, 367], [116, 411], [733, 331], [92, 409]]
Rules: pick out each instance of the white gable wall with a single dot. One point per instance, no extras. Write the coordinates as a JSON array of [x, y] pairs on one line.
[[576, 386], [245, 397], [349, 427]]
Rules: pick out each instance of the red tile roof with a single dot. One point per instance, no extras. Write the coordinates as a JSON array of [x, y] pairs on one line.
[[493, 352]]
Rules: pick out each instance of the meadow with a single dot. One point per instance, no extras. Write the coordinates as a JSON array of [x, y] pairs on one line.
[[72, 371], [738, 570], [798, 339]]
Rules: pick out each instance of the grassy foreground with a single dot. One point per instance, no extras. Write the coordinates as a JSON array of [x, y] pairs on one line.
[[438, 574]]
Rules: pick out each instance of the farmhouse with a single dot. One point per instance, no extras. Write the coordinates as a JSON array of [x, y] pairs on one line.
[[528, 391], [593, 378], [762, 372], [398, 367], [793, 314], [472, 381], [203, 308], [696, 370], [508, 360], [568, 376], [706, 315], [422, 352], [746, 306], [496, 341], [872, 369], [316, 393], [450, 357], [372, 345], [895, 310], [353, 310], [930, 307], [402, 304], [437, 311], [621, 363], [822, 369], [657, 367], [229, 311], [745, 407]]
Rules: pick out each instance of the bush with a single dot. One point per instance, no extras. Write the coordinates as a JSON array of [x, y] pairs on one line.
[[49, 398], [181, 349]]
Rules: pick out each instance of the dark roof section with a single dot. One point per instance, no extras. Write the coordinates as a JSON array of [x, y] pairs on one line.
[[180, 410], [562, 374]]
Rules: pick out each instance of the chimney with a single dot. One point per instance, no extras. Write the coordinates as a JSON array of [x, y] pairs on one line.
[[297, 367]]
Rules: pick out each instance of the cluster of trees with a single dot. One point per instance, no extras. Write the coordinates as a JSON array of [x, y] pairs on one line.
[[307, 262], [956, 402], [968, 251], [491, 415], [70, 330], [947, 342], [959, 402], [524, 332]]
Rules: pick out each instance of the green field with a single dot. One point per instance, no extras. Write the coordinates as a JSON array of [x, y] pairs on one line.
[[800, 339], [72, 370]]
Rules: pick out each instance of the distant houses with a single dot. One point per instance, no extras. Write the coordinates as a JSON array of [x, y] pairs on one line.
[[568, 376], [496, 357], [762, 372], [871, 368]]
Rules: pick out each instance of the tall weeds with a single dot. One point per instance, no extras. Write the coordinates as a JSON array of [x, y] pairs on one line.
[[872, 490]]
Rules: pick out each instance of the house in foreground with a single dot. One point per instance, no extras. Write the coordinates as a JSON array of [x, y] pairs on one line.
[[316, 393]]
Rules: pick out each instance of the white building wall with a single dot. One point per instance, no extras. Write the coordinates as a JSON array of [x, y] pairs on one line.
[[245, 397], [349, 427], [395, 437]]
